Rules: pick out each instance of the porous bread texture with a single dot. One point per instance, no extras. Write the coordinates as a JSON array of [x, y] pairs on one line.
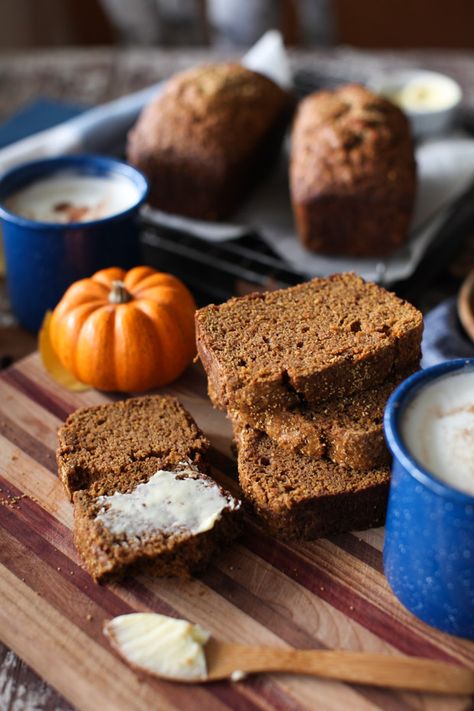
[[106, 441], [323, 339], [352, 173], [208, 137], [348, 431], [301, 498], [113, 448], [107, 554]]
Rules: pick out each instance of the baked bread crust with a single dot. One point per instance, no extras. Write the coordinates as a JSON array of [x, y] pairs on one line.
[[301, 498], [208, 137], [352, 173], [317, 341]]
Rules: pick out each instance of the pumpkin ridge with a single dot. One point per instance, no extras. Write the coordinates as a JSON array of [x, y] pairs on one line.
[[158, 280], [97, 303], [178, 290], [169, 294], [90, 348], [181, 359], [68, 331], [138, 274], [79, 292], [178, 322], [152, 344], [106, 276], [152, 291]]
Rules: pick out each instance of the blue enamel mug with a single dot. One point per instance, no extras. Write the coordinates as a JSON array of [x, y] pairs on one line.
[[44, 258], [429, 534]]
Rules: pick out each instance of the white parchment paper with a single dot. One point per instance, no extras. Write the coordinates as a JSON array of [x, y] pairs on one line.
[[445, 171]]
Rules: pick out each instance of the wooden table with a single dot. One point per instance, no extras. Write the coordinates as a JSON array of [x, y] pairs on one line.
[[333, 584], [325, 594]]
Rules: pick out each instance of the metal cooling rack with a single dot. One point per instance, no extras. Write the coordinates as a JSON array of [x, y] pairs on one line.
[[216, 271]]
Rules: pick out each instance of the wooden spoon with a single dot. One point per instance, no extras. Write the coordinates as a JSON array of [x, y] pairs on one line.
[[228, 660], [466, 305], [180, 651]]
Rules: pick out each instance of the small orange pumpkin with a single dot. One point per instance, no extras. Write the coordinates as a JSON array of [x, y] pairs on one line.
[[127, 331]]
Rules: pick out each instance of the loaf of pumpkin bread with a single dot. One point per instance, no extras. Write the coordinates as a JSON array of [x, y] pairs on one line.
[[208, 137], [299, 497], [352, 173], [321, 340]]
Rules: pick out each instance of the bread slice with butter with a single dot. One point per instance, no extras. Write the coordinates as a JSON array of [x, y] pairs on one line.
[[168, 525], [136, 471]]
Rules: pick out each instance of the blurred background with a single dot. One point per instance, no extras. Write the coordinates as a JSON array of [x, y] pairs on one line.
[[59, 57], [165, 23]]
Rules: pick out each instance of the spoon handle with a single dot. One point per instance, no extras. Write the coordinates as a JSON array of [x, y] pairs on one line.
[[362, 668]]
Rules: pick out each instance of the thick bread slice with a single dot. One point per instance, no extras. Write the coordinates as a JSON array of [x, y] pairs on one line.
[[348, 431], [142, 500], [100, 443], [324, 339], [302, 498], [149, 546]]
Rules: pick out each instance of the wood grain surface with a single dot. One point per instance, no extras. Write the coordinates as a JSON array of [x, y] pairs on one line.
[[328, 594]]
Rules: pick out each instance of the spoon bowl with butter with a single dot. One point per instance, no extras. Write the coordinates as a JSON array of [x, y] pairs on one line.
[[178, 650]]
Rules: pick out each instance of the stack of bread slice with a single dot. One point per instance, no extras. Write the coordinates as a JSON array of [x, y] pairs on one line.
[[304, 374]]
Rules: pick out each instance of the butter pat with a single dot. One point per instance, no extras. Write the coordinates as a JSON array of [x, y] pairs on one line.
[[160, 645], [169, 502], [424, 96]]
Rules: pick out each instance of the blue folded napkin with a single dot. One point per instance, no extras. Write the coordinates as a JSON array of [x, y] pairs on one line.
[[444, 338], [35, 117]]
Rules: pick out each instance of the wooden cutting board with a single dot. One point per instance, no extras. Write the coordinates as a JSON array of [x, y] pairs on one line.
[[326, 594]]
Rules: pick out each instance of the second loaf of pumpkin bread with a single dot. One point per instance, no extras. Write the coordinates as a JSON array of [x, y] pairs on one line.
[[320, 340], [352, 173]]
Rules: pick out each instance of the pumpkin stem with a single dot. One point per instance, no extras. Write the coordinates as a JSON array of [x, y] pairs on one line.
[[118, 293]]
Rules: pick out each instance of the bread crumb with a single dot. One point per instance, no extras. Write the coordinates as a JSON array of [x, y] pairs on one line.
[[11, 502]]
